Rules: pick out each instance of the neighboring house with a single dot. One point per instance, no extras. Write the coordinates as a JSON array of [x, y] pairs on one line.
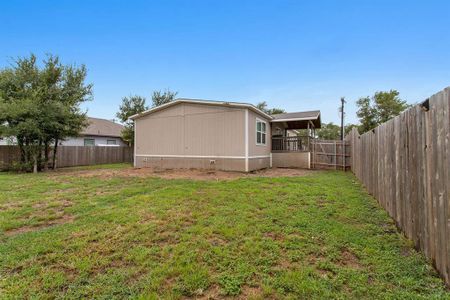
[[5, 141], [190, 133], [99, 132]]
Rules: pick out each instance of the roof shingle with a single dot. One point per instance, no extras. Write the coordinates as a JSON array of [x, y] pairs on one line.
[[307, 115], [102, 127]]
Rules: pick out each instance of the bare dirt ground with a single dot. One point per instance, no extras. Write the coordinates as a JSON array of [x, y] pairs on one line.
[[194, 174]]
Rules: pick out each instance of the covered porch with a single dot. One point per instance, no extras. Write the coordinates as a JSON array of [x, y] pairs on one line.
[[292, 137]]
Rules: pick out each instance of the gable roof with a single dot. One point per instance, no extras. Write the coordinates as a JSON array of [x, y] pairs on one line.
[[102, 127], [204, 102], [301, 116]]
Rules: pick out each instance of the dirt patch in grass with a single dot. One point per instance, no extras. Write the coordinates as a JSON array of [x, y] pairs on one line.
[[251, 292], [66, 218], [213, 292], [194, 174], [217, 241], [48, 214], [276, 236], [349, 259], [10, 206], [58, 205]]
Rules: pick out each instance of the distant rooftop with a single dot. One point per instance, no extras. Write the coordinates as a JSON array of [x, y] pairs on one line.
[[102, 127]]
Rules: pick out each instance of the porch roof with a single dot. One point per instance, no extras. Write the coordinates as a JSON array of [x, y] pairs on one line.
[[298, 120]]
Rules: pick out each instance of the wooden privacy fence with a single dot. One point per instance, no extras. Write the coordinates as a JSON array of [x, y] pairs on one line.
[[71, 156], [405, 164], [330, 154]]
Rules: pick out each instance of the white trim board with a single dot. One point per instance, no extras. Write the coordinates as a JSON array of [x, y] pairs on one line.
[[256, 132], [205, 102], [134, 145], [246, 140], [201, 156]]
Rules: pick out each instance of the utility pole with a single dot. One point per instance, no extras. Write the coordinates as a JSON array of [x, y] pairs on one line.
[[342, 117]]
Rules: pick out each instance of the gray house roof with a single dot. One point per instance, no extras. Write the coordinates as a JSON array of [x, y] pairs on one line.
[[201, 101], [102, 127], [299, 118]]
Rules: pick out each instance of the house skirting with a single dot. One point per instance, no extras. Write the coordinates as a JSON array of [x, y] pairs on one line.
[[226, 163], [291, 160]]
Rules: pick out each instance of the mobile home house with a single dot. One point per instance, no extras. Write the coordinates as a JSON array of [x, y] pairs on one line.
[[191, 133]]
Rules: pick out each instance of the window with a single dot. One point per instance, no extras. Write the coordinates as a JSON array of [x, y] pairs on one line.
[[260, 132], [110, 142], [89, 142]]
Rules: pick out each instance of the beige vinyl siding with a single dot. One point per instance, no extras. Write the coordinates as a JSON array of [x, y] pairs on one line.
[[214, 131], [160, 135], [192, 131]]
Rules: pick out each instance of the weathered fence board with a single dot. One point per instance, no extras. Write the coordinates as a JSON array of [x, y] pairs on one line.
[[8, 155], [405, 164], [330, 154], [71, 156]]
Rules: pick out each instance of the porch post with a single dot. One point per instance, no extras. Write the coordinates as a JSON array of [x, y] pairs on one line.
[[309, 134]]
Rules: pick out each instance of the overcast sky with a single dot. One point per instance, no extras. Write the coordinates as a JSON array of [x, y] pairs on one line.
[[297, 55]]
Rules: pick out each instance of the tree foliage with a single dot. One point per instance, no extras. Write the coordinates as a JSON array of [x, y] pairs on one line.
[[271, 111], [328, 131], [160, 98], [130, 106], [40, 106], [383, 106], [331, 131]]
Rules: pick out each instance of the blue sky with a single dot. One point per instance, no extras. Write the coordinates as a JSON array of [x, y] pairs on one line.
[[298, 55]]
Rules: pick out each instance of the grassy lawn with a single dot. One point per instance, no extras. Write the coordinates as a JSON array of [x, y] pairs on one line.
[[316, 236]]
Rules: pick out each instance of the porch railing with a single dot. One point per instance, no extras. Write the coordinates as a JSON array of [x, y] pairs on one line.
[[291, 144]]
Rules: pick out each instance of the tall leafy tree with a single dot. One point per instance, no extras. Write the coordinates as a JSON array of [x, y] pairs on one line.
[[388, 105], [367, 114], [130, 106], [372, 111], [160, 98], [271, 111], [40, 106], [328, 131], [331, 131]]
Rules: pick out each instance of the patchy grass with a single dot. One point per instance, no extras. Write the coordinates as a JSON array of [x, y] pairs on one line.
[[316, 236]]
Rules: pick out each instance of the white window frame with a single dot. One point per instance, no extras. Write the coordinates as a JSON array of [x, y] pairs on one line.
[[256, 132], [111, 140]]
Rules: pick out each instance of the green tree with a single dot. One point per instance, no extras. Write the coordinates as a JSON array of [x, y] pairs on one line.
[[366, 114], [328, 131], [388, 105], [160, 98], [41, 106], [130, 106], [271, 111], [349, 127], [383, 106], [62, 89]]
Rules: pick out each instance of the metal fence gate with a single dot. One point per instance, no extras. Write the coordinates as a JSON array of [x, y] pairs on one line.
[[330, 154]]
